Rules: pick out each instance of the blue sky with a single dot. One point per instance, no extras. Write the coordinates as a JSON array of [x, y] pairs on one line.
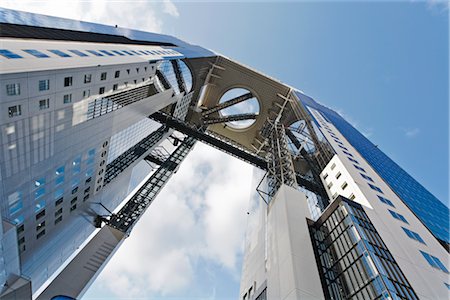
[[382, 65]]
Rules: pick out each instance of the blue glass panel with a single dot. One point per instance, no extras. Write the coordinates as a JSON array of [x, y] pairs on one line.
[[79, 53], [127, 52], [39, 193], [432, 212], [60, 170], [60, 53], [59, 193], [118, 52], [39, 182], [59, 180], [94, 52], [39, 205], [15, 207], [91, 153], [19, 219], [36, 53], [9, 54], [386, 201], [107, 52]]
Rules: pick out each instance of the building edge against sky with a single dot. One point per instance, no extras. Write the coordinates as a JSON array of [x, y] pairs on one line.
[[364, 167]]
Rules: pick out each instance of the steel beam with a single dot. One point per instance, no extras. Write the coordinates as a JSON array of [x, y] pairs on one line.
[[228, 103], [209, 139], [231, 118]]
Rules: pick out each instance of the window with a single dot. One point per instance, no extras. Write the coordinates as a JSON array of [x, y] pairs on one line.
[[335, 195], [20, 229], [39, 193], [375, 188], [94, 52], [86, 93], [447, 285], [359, 168], [14, 111], [118, 52], [44, 85], [434, 261], [349, 154], [342, 147], [40, 225], [58, 212], [366, 177], [73, 208], [39, 205], [68, 81], [135, 52], [330, 185], [59, 201], [79, 53], [87, 189], [74, 200], [74, 190], [333, 166], [15, 202], [9, 54], [40, 215], [67, 98], [338, 175], [107, 52], [39, 182], [40, 234], [344, 185], [57, 220], [398, 216], [129, 53], [101, 90], [87, 78], [117, 74], [413, 235], [103, 76], [115, 87], [13, 89], [385, 201], [325, 176], [351, 159], [60, 170], [44, 104], [59, 180], [59, 53], [128, 71], [352, 197], [36, 53], [137, 70], [86, 197]]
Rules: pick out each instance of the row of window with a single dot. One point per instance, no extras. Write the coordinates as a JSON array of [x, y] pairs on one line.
[[432, 260], [85, 53], [13, 89]]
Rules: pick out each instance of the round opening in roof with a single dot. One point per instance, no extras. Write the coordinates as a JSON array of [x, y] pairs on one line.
[[243, 109]]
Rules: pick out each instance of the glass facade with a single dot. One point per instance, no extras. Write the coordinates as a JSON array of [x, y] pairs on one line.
[[432, 212], [353, 261]]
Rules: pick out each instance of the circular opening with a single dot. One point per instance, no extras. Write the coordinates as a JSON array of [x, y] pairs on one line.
[[249, 106]]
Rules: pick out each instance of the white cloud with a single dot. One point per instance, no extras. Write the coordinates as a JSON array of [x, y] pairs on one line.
[[170, 8], [410, 133], [199, 215], [136, 15]]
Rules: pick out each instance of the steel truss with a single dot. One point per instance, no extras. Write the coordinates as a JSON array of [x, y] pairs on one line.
[[135, 207]]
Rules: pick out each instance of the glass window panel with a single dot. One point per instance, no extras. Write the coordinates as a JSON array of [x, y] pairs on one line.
[[9, 54], [36, 53], [60, 53]]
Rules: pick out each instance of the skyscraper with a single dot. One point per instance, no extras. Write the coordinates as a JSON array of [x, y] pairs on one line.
[[81, 108]]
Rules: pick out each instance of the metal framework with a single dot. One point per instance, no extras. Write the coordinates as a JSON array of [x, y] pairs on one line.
[[231, 118], [132, 155], [132, 211], [178, 75]]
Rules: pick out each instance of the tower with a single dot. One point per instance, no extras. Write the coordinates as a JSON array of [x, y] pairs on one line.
[[83, 107]]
